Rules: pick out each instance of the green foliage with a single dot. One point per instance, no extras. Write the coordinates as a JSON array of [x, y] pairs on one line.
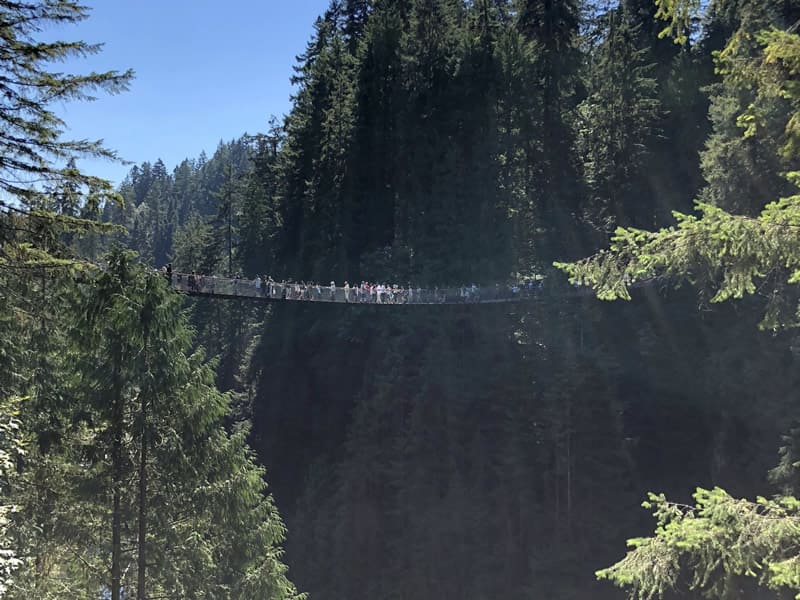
[[122, 427], [773, 73], [190, 242], [38, 171], [489, 454], [30, 142], [715, 542], [678, 14], [134, 382], [617, 124], [184, 216], [739, 255], [12, 448], [742, 242]]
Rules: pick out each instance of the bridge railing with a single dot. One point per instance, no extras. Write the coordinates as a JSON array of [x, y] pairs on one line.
[[211, 285]]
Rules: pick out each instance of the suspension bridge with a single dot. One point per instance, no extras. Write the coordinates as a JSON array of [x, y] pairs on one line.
[[382, 295]]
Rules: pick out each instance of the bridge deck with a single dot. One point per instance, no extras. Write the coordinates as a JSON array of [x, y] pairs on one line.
[[220, 287]]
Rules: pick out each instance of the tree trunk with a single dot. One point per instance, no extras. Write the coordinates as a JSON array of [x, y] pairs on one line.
[[142, 574], [141, 585], [116, 467]]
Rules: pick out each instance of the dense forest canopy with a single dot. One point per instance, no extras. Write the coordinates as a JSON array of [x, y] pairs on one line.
[[445, 452]]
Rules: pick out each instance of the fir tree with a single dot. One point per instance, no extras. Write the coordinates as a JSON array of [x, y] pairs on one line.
[[550, 30], [144, 462], [617, 126], [31, 146]]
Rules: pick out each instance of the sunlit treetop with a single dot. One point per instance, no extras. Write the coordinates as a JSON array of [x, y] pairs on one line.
[[678, 15]]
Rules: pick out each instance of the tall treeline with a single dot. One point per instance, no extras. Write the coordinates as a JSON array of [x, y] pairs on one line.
[[480, 452], [445, 142]]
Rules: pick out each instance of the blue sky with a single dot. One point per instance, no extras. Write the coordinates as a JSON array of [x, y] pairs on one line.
[[205, 70]]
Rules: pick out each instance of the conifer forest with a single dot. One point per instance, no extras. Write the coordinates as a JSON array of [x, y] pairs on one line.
[[627, 427]]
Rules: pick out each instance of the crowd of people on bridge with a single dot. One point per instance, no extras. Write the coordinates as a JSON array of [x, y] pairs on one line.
[[365, 292]]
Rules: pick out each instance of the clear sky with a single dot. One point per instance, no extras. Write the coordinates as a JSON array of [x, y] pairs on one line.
[[206, 70]]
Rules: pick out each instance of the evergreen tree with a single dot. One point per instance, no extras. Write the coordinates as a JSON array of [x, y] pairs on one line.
[[191, 242], [471, 453], [729, 251], [30, 143], [11, 449], [617, 127], [259, 224], [145, 463], [552, 28], [721, 541], [302, 134], [373, 221]]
